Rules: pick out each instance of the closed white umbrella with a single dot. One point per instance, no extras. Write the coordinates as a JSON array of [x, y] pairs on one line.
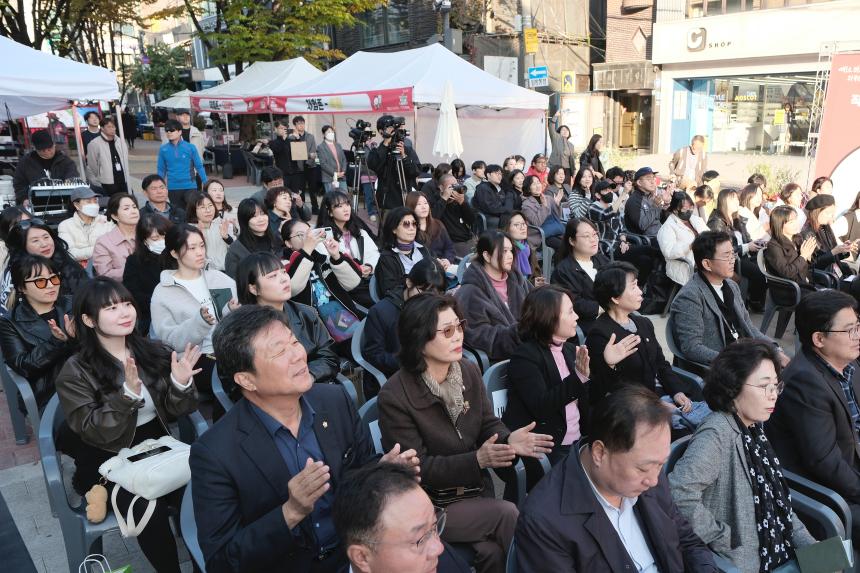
[[448, 142]]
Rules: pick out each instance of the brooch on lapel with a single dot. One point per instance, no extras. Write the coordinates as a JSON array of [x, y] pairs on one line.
[[325, 424], [465, 406]]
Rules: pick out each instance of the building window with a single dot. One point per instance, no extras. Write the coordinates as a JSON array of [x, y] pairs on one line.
[[701, 8], [386, 25]]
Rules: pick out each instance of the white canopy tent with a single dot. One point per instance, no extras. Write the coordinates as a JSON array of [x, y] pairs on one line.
[[496, 118], [179, 100]]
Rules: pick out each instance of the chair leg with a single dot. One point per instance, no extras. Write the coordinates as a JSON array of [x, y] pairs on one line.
[[675, 288], [782, 323], [19, 423], [769, 310]]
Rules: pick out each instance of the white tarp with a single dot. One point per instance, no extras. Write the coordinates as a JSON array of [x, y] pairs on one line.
[[179, 100], [33, 82]]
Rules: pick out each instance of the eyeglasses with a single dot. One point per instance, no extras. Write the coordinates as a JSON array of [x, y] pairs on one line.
[[770, 389], [448, 331], [408, 224], [435, 530], [298, 236], [42, 282], [588, 236], [25, 224], [519, 225], [853, 332], [725, 260]]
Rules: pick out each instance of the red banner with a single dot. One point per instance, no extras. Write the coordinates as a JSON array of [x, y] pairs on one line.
[[380, 101], [230, 104]]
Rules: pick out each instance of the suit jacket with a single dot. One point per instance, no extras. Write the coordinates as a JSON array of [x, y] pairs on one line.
[[537, 392], [569, 274], [562, 527], [698, 322], [239, 482], [712, 489], [811, 429]]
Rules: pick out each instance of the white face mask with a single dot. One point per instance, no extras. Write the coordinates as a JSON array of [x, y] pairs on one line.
[[90, 209], [329, 135], [156, 246]]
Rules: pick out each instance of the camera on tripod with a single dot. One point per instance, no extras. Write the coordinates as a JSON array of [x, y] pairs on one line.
[[361, 134], [400, 132]]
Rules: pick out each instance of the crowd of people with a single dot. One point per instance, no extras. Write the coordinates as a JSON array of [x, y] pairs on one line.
[[129, 316]]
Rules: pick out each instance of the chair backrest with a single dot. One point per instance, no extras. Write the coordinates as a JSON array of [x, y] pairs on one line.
[[512, 558], [759, 259], [670, 337], [374, 293], [369, 414], [676, 451], [188, 525], [219, 392], [496, 383], [580, 335], [462, 265], [358, 355], [91, 268]]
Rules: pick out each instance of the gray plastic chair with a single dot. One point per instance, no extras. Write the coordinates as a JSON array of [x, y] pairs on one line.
[[676, 452], [369, 414], [547, 252], [821, 494], [680, 361], [374, 294], [188, 526], [782, 311], [477, 356], [512, 558], [226, 403], [463, 265], [13, 385], [91, 268], [358, 355]]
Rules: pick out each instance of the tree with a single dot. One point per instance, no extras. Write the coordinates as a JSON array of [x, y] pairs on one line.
[[162, 73], [244, 31]]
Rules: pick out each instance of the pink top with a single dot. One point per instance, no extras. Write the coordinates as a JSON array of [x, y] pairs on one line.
[[110, 252], [501, 286], [333, 149], [571, 411]]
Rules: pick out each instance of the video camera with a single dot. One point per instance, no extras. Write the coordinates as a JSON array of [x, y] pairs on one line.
[[361, 134], [400, 133]]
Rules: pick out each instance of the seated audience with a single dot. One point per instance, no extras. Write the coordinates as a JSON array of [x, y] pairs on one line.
[[37, 336], [475, 179], [513, 183], [436, 391], [189, 300], [590, 158], [708, 313], [266, 475], [262, 279], [155, 191], [85, 226], [608, 507], [113, 248], [579, 200], [830, 254], [431, 232], [537, 206], [845, 227], [491, 294], [557, 184], [548, 373], [749, 212], [643, 208], [623, 346], [279, 202], [792, 195], [676, 237], [400, 251], [117, 391], [492, 200], [255, 235], [143, 267], [783, 257], [388, 523], [223, 209], [525, 257], [538, 168], [821, 186], [578, 261], [201, 214], [453, 209], [727, 483], [270, 176], [380, 344], [705, 203], [458, 170], [814, 431], [431, 187], [8, 218]]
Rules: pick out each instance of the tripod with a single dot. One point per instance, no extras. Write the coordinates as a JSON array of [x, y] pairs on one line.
[[360, 154]]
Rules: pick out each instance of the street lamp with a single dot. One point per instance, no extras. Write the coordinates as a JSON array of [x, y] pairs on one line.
[[444, 6]]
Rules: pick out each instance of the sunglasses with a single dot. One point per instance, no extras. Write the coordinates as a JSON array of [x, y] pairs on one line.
[[448, 331], [42, 282], [408, 224], [25, 224], [170, 130]]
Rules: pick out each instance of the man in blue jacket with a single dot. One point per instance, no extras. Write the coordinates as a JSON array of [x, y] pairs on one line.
[[179, 163]]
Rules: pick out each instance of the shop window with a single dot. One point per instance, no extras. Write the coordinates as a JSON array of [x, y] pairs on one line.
[[386, 25]]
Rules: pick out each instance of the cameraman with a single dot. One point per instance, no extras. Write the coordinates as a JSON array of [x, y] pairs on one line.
[[450, 206], [383, 161]]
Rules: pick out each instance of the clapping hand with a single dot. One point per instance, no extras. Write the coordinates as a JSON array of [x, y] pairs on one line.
[[409, 459], [132, 380], [582, 361], [182, 369], [58, 333], [807, 248], [526, 443], [305, 489], [841, 248], [233, 304], [616, 352], [493, 455]]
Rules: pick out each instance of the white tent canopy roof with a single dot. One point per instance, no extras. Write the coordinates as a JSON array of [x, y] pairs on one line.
[[33, 82], [179, 100], [425, 70], [265, 79]]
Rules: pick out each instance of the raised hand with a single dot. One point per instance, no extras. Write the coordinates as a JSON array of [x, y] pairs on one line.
[[409, 459], [70, 326], [132, 380], [493, 455], [56, 331], [305, 489], [582, 361], [526, 443], [616, 352], [333, 248], [207, 316], [182, 369]]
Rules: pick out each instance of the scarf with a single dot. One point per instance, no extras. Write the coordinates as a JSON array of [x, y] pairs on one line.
[[523, 253], [450, 391], [771, 498], [731, 321], [404, 247]]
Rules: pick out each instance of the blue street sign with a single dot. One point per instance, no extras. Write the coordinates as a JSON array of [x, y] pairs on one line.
[[538, 72]]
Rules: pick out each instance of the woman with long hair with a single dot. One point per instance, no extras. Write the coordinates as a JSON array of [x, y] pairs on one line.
[[579, 199], [458, 170], [431, 232], [201, 212], [591, 156], [120, 389], [143, 267], [792, 195], [9, 217], [783, 257], [255, 235], [751, 199], [400, 250], [676, 236], [846, 227], [223, 209], [831, 253], [113, 248], [513, 182]]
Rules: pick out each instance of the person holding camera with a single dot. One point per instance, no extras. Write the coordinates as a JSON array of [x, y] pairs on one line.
[[451, 207], [387, 157]]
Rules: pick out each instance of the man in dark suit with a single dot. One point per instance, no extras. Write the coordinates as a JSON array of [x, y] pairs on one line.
[[814, 429], [264, 477], [608, 507], [388, 524]]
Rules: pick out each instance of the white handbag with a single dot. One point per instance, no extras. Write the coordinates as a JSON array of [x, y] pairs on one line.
[[149, 470]]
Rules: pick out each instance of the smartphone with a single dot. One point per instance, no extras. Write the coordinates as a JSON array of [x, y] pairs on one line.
[[148, 454], [328, 233]]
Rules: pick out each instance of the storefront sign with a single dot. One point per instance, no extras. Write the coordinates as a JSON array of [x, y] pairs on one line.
[[388, 101], [633, 76], [530, 37]]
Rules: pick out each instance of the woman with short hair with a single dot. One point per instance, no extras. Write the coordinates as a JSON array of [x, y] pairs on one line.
[[143, 267], [201, 212], [113, 248]]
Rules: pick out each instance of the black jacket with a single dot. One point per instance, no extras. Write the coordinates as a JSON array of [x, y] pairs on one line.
[[642, 215], [176, 213], [283, 157], [782, 258], [562, 527], [811, 429], [646, 367], [388, 191], [717, 223], [240, 482], [31, 350], [31, 168], [569, 274], [823, 259], [495, 205], [380, 343], [458, 219], [306, 325], [390, 272], [537, 392], [141, 277], [593, 161]]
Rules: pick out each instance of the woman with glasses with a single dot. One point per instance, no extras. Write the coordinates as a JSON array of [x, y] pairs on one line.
[[783, 257], [578, 261], [539, 168], [255, 235], [400, 250], [676, 236], [728, 483], [436, 404], [201, 212], [112, 249], [525, 255], [37, 335], [491, 294]]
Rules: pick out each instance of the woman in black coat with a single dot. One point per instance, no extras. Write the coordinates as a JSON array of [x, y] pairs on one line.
[[782, 257], [36, 336], [399, 230], [618, 292], [591, 156], [143, 267]]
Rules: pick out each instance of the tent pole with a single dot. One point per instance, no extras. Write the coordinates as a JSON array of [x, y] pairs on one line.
[[272, 123], [117, 117], [79, 140]]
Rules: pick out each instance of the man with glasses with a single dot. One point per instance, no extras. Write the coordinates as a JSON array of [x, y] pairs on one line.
[[179, 163], [387, 524], [708, 312], [266, 475], [814, 429], [643, 208]]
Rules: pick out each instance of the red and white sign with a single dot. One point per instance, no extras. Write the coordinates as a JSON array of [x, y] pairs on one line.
[[230, 105], [388, 101]]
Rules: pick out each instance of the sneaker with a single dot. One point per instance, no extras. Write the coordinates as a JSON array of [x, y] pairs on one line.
[[373, 218]]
